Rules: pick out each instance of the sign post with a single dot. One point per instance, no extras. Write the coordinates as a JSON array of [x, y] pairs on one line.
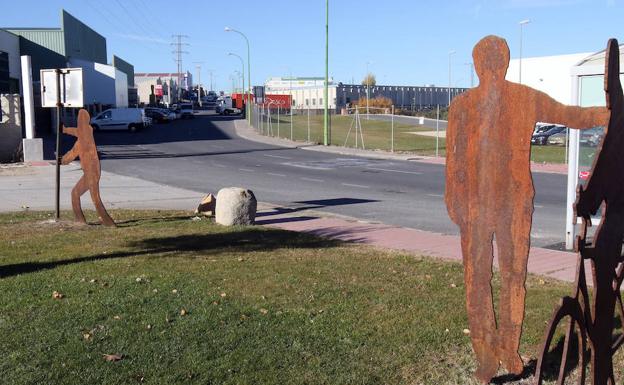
[[61, 87]]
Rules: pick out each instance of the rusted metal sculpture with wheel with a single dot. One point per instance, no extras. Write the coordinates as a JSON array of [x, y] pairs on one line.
[[589, 323]]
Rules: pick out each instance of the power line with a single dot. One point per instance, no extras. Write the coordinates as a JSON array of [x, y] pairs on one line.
[[117, 25], [178, 43]]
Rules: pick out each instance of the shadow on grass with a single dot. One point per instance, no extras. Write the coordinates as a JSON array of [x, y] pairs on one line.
[[241, 241], [528, 371]]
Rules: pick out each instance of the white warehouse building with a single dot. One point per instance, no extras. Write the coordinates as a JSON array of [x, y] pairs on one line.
[[307, 92]]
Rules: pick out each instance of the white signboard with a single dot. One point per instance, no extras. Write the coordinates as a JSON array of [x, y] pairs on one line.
[[71, 87]]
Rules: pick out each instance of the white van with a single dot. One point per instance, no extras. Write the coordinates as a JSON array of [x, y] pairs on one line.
[[131, 119]]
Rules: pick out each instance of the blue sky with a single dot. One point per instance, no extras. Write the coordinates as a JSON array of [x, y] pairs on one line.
[[405, 42]]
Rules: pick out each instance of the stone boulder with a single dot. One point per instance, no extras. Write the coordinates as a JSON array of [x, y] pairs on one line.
[[236, 206], [207, 206]]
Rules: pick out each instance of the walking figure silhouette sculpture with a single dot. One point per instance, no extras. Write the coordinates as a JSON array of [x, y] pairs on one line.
[[489, 195], [85, 149]]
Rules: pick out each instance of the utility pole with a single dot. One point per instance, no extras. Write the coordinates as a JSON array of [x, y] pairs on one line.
[[178, 44], [198, 66]]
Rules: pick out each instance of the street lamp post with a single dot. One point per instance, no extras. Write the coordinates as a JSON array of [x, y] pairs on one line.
[[522, 24], [471, 66], [326, 133], [243, 74], [367, 89], [248, 109], [451, 53]]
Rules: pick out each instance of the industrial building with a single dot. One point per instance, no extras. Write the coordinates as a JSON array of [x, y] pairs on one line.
[[162, 85], [73, 44], [307, 93]]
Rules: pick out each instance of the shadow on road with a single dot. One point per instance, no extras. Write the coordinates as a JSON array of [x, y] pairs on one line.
[[315, 204], [200, 128]]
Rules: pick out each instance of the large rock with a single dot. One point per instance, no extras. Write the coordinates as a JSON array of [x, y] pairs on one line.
[[236, 206]]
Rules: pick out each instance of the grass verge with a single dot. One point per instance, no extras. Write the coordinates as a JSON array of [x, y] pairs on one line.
[[183, 301]]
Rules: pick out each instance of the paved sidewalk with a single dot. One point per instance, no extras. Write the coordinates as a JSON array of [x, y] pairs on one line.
[[32, 187], [245, 131]]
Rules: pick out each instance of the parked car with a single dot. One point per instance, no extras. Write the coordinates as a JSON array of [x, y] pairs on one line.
[[157, 115], [558, 139], [591, 137], [541, 138], [170, 114], [186, 110], [542, 127], [131, 119]]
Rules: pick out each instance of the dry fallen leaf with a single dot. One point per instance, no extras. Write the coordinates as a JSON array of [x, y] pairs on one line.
[[466, 331], [87, 336], [112, 357], [174, 291], [453, 285], [264, 311], [117, 317], [149, 327], [57, 295], [223, 295], [183, 312]]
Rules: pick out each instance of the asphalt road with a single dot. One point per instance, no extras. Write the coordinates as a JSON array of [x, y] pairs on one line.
[[204, 154]]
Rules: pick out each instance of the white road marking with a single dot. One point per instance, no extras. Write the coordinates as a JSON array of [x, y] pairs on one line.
[[538, 206], [218, 165], [354, 185], [312, 179], [274, 174], [245, 169], [436, 195], [399, 171], [277, 156]]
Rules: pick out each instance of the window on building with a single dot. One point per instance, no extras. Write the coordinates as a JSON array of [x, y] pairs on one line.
[[320, 101], [307, 102], [314, 102], [293, 102]]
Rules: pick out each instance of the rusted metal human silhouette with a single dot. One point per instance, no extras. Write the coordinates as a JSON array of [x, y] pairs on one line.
[[90, 163], [489, 194]]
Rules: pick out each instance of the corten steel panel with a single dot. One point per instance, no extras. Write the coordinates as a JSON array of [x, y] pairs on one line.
[[85, 149], [489, 195]]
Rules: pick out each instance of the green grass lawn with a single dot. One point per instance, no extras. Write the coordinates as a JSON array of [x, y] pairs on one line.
[[185, 301], [377, 135]]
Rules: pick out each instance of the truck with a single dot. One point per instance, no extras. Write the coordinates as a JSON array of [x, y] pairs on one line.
[[226, 105]]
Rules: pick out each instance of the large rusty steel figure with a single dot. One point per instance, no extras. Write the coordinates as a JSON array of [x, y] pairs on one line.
[[489, 195], [594, 320], [85, 149]]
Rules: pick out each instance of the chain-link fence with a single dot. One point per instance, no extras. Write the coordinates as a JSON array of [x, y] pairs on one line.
[[379, 129]]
